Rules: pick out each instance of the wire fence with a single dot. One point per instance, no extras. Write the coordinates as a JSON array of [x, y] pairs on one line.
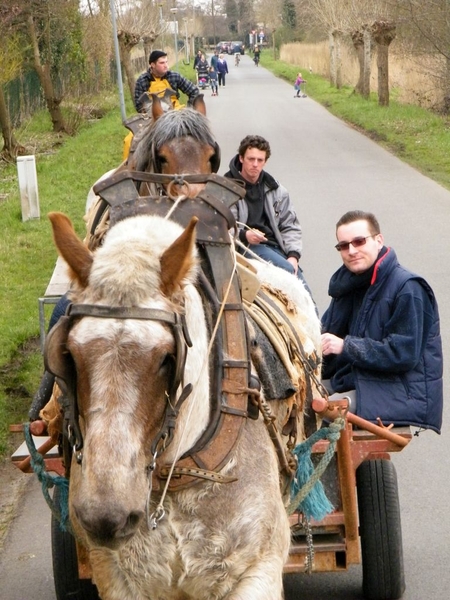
[[24, 96]]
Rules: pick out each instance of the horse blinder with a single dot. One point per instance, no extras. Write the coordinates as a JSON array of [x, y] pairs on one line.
[[59, 362], [215, 158]]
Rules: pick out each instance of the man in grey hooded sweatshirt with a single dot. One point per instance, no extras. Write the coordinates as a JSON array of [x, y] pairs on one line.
[[267, 222]]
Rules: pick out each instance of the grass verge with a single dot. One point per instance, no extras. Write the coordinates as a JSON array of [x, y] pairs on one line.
[[66, 169]]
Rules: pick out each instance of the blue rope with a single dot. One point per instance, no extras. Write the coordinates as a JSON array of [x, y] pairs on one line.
[[307, 492], [48, 481]]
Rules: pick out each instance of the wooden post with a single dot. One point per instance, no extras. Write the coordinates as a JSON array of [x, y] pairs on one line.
[[29, 197]]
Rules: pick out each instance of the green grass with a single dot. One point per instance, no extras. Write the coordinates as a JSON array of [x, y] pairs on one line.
[[418, 136], [66, 169]]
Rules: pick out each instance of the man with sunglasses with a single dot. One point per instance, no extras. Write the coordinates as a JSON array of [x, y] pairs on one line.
[[381, 341]]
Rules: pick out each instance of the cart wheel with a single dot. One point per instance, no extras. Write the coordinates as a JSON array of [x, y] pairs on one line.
[[380, 530], [68, 586]]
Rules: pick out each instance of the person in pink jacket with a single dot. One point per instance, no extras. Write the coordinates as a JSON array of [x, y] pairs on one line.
[[298, 86]]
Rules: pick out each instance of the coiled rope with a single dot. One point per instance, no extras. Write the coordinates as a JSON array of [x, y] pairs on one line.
[[308, 495]]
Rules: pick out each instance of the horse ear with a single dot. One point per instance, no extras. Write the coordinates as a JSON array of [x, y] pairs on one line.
[[177, 260], [199, 104], [71, 248], [157, 109]]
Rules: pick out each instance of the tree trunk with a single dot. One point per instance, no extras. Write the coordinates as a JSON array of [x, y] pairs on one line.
[[446, 88], [332, 60], [367, 62], [337, 34], [149, 41], [358, 44], [11, 147], [383, 33], [127, 41], [43, 71]]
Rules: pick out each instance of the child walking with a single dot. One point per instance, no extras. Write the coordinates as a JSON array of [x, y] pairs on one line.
[[298, 85], [213, 81]]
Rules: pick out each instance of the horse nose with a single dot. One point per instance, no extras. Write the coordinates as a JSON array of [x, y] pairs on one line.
[[195, 189], [107, 526], [189, 190]]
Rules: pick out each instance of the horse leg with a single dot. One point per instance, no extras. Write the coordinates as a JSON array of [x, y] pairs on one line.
[[262, 582]]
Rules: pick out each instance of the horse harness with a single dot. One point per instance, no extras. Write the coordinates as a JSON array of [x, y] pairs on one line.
[[234, 391]]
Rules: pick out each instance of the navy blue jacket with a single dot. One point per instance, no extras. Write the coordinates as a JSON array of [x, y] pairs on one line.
[[392, 351]]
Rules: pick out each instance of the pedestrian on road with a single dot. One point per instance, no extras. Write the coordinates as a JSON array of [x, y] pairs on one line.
[[222, 69], [202, 72], [214, 59], [381, 339], [213, 81], [268, 225], [256, 55]]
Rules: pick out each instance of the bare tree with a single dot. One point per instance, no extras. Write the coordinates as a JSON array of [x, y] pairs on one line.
[[269, 12], [358, 44], [367, 65], [43, 69], [333, 16], [97, 45], [135, 22], [383, 32], [428, 36], [367, 20], [50, 26]]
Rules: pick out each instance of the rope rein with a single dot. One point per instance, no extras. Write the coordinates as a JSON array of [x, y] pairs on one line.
[[49, 481]]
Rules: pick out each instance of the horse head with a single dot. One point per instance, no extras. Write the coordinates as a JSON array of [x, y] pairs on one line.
[[178, 142], [121, 345]]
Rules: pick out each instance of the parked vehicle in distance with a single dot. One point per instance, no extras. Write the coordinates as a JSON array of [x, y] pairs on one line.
[[236, 47], [224, 47]]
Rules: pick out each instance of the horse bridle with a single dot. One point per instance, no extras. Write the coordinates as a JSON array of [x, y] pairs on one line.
[[58, 361]]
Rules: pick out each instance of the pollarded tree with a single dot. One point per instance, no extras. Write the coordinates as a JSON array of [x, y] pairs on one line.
[[136, 21], [383, 32], [372, 25], [332, 15]]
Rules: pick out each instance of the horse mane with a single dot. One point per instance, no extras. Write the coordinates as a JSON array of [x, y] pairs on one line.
[[127, 268], [173, 124]]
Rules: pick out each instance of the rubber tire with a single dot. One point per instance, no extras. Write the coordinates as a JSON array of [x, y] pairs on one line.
[[380, 530], [68, 586]]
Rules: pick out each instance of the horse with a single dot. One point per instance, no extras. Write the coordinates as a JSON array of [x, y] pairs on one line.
[[169, 141], [135, 349]]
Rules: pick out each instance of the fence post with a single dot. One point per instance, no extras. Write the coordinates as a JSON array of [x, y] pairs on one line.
[[29, 197]]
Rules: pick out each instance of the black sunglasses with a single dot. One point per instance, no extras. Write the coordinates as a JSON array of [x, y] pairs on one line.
[[356, 243]]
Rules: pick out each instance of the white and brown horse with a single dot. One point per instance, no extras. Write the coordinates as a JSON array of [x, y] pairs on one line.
[[120, 351]]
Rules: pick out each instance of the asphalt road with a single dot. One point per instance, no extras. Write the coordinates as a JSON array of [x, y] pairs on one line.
[[329, 168]]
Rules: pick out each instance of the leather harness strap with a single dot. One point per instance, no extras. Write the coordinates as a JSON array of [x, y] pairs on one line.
[[231, 376]]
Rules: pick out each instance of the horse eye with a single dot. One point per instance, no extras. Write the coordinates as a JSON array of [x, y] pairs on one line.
[[168, 362], [162, 160]]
